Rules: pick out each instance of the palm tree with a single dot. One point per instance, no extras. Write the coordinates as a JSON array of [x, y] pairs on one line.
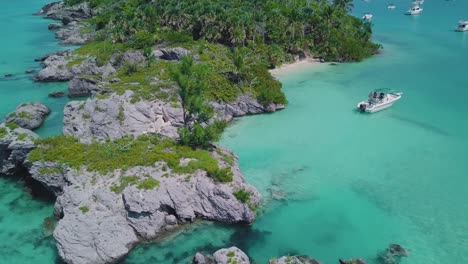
[[345, 5]]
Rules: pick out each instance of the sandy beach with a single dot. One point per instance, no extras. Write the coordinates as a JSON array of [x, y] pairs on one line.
[[293, 67]]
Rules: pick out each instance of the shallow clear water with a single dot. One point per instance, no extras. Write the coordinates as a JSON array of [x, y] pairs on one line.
[[354, 183]]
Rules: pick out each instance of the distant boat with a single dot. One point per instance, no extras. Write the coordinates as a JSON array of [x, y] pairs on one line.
[[414, 10], [391, 6], [379, 100], [418, 2], [462, 26], [367, 16]]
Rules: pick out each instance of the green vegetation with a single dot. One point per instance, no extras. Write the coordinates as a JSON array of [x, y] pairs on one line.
[[121, 115], [84, 209], [124, 182], [125, 153], [236, 40], [12, 125], [197, 131], [3, 132], [148, 184], [50, 170], [242, 195], [230, 254], [25, 115], [22, 136]]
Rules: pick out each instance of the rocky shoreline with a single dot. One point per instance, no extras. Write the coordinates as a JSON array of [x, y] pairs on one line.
[[103, 214]]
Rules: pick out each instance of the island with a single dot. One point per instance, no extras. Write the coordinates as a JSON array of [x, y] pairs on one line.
[[138, 158]]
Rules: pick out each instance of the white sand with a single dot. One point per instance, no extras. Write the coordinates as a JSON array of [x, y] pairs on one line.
[[293, 67]]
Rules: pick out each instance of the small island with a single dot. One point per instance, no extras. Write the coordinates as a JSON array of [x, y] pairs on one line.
[[138, 158]]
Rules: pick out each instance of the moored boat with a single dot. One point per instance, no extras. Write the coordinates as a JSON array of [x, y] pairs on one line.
[[414, 10], [462, 26], [367, 16], [379, 100]]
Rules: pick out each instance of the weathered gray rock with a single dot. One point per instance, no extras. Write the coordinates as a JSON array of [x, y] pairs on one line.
[[51, 175], [15, 144], [59, 11], [82, 87], [133, 57], [245, 104], [55, 69], [29, 71], [171, 54], [28, 115], [294, 260], [58, 53], [74, 34], [98, 225], [117, 116], [231, 255], [55, 26], [203, 259]]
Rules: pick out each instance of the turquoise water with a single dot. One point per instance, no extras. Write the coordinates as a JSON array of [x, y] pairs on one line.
[[25, 37], [354, 183]]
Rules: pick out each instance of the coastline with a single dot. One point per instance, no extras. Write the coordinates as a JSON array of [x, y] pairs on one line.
[[295, 66]]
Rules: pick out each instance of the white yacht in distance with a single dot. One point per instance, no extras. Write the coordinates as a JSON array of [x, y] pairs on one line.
[[391, 6], [414, 10], [418, 2], [462, 26], [367, 16], [378, 100]]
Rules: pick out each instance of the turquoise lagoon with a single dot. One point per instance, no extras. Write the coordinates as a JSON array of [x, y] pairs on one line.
[[353, 183]]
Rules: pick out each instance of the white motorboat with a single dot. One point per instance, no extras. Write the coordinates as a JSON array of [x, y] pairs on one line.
[[391, 6], [414, 10], [462, 26], [378, 100], [367, 16], [418, 2]]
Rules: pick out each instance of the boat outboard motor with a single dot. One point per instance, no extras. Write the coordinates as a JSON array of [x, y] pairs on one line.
[[362, 108]]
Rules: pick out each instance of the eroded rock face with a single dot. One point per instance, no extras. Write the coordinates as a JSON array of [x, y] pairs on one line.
[[82, 87], [171, 54], [74, 34], [118, 116], [294, 260], [28, 115], [55, 68], [15, 144], [100, 224], [245, 104], [59, 11]]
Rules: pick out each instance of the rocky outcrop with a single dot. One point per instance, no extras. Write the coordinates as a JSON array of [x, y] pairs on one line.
[[55, 26], [67, 14], [245, 104], [131, 57], [57, 94], [15, 144], [28, 115], [118, 116], [55, 68], [101, 219], [294, 260], [82, 87], [223, 256], [171, 54], [74, 34]]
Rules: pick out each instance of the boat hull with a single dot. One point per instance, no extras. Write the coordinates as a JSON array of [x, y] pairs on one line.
[[372, 108]]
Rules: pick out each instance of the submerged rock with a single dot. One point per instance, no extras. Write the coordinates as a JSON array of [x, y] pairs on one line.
[[30, 71], [57, 94], [15, 144], [353, 261], [9, 75], [392, 255], [28, 115], [294, 260]]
